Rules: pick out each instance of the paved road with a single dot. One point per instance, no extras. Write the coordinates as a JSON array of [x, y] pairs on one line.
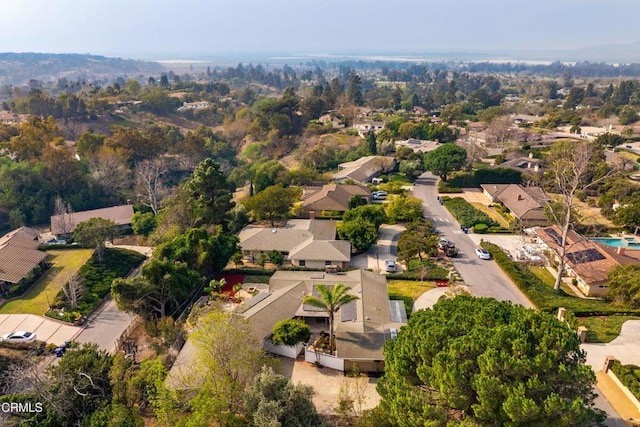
[[484, 278], [105, 326]]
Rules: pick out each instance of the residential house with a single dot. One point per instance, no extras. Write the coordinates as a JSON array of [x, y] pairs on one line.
[[331, 197], [20, 258], [62, 226], [527, 165], [361, 327], [587, 261], [525, 203], [303, 242], [419, 145], [362, 170], [200, 105], [365, 126]]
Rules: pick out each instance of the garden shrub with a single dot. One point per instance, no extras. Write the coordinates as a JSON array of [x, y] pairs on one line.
[[629, 375], [466, 214], [444, 187], [480, 228], [290, 332]]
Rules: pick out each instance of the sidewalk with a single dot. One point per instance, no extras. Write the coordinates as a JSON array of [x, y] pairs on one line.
[[612, 393]]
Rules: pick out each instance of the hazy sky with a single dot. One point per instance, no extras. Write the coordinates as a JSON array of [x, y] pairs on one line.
[[161, 29]]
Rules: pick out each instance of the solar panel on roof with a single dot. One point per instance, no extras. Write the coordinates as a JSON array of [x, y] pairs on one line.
[[256, 299], [587, 255], [557, 239], [348, 312]]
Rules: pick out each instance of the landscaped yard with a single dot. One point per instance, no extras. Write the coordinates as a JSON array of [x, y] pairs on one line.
[[604, 328], [546, 276], [37, 299], [492, 214], [408, 291]]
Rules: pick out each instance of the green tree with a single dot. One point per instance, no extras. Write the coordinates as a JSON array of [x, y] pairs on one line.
[[276, 257], [628, 215], [331, 299], [489, 363], [611, 139], [160, 290], [211, 192], [354, 90], [94, 232], [419, 238], [404, 209], [361, 232], [143, 223], [624, 285], [272, 400], [372, 213], [228, 357], [445, 159], [274, 202], [291, 332], [79, 384]]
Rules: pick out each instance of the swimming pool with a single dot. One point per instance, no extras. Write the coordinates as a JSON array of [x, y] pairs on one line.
[[618, 242]]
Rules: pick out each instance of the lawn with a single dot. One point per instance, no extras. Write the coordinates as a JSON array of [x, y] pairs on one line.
[[492, 214], [408, 291], [546, 276], [603, 329], [36, 300]]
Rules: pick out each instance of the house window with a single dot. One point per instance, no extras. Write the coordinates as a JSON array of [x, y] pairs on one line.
[[327, 263], [302, 263]]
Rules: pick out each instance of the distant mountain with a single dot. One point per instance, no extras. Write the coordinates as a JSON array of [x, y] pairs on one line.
[[19, 68]]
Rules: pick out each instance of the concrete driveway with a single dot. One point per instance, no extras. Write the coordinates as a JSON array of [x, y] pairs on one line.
[[385, 248], [326, 383], [625, 348], [48, 330]]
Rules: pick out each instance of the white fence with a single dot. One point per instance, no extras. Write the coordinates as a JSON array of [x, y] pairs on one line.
[[291, 351], [323, 359]]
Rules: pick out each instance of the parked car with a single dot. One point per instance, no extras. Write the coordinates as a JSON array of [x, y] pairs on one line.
[[379, 195], [390, 266], [483, 253], [19, 336]]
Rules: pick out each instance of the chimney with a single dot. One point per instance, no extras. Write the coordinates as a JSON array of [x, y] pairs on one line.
[[520, 197], [531, 155], [312, 214], [620, 251], [536, 167]]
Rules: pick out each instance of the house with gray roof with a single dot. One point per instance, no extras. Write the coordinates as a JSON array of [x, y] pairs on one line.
[[331, 197], [361, 327], [308, 243], [20, 258], [62, 226], [364, 169]]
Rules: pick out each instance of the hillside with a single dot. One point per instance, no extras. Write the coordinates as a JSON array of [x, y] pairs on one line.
[[19, 68]]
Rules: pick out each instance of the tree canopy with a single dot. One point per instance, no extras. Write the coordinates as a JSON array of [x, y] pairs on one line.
[[94, 232], [485, 362], [211, 192], [445, 159], [274, 202]]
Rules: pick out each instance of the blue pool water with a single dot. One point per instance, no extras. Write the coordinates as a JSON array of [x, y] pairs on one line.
[[618, 242]]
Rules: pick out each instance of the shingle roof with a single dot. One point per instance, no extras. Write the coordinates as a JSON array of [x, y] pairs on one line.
[[594, 270], [302, 239], [332, 197], [18, 257], [364, 168], [523, 202], [360, 338], [61, 224]]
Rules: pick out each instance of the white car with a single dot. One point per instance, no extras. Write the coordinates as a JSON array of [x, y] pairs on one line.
[[19, 336], [483, 253], [390, 266], [379, 195]]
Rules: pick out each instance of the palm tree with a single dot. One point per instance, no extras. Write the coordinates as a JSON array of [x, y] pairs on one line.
[[331, 299]]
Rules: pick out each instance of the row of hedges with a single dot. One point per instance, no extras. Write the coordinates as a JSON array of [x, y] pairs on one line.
[[465, 213], [97, 279], [629, 375], [486, 176], [544, 297], [446, 188], [433, 271]]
